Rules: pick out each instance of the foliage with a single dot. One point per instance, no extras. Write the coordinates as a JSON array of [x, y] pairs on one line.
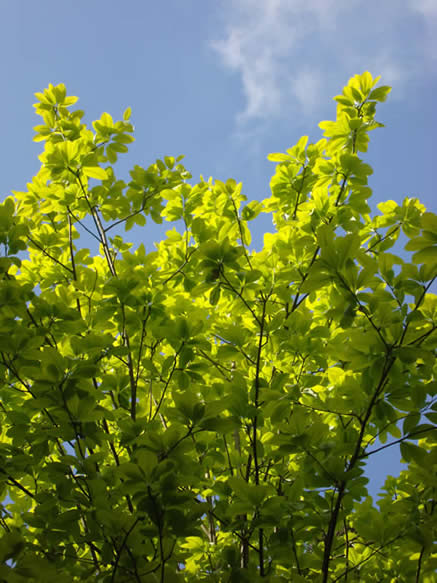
[[204, 411]]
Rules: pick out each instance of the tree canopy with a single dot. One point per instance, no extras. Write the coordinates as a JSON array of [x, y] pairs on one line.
[[202, 411]]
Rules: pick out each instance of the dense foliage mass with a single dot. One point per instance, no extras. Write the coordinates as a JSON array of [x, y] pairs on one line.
[[203, 411]]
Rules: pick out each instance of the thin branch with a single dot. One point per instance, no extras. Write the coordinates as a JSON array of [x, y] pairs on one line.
[[241, 232], [363, 310], [293, 541], [143, 206], [330, 476], [376, 551], [386, 236], [340, 414], [47, 254], [14, 482], [231, 469], [343, 186], [400, 440], [70, 212], [120, 550], [417, 341], [419, 564], [416, 307], [167, 382], [111, 265], [299, 192], [296, 302], [255, 429], [346, 535], [237, 293], [329, 539], [179, 270], [216, 364], [73, 263]]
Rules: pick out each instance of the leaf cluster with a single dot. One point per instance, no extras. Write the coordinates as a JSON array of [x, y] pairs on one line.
[[203, 411]]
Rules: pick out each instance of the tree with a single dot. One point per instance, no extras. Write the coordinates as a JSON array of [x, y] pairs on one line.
[[203, 411]]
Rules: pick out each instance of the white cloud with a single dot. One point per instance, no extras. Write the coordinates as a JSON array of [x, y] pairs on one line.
[[291, 54], [307, 87], [254, 46], [428, 10], [426, 7]]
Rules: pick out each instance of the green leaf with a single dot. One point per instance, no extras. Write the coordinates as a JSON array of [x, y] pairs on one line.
[[251, 210], [344, 100], [95, 172], [220, 425], [380, 93], [410, 422], [214, 296], [279, 157], [426, 255], [11, 545], [412, 453]]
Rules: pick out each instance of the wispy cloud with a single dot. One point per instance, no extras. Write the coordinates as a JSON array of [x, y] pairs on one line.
[[289, 53], [256, 42], [428, 10], [427, 7], [307, 88]]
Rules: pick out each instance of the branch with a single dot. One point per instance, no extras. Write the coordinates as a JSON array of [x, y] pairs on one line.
[[216, 364], [400, 440], [416, 307], [167, 383], [70, 212], [419, 564], [241, 233], [386, 236], [376, 551], [47, 254], [296, 302], [355, 457], [255, 430], [120, 550], [73, 263], [110, 262], [179, 270], [143, 206], [14, 482], [236, 292]]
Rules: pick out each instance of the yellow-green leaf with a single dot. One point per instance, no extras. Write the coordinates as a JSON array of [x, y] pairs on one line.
[[95, 172]]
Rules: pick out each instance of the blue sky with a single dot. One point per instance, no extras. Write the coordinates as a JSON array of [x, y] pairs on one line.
[[225, 83]]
